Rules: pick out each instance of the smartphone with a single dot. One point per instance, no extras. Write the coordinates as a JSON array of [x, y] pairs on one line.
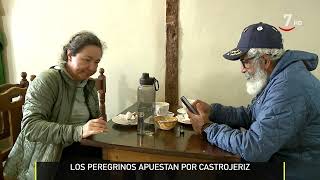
[[188, 105]]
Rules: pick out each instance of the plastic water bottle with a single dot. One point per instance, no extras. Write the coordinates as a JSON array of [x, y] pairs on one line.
[[146, 97]]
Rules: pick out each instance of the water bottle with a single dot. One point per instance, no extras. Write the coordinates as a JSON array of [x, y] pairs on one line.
[[146, 97]]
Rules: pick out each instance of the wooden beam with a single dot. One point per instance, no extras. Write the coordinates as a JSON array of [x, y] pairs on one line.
[[172, 54]]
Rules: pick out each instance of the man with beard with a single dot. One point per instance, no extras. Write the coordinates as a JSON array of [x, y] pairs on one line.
[[282, 123]]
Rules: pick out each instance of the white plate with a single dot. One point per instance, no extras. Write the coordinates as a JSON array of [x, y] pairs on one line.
[[183, 120], [120, 119]]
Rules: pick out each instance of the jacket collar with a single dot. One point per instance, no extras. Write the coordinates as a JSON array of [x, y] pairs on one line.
[[310, 60]]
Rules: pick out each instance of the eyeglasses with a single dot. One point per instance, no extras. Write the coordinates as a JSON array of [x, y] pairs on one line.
[[246, 62]]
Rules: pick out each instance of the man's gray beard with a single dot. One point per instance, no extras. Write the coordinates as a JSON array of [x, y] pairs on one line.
[[256, 82]]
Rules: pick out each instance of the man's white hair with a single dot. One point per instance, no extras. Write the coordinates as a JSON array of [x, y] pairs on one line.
[[275, 54]]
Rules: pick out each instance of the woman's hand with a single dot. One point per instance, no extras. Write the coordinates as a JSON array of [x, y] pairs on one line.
[[94, 126]]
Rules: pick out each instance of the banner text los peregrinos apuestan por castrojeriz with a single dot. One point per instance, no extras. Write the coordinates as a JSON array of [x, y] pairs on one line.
[[159, 166]]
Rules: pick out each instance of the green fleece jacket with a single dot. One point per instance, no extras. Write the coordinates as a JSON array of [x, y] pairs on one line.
[[45, 127]]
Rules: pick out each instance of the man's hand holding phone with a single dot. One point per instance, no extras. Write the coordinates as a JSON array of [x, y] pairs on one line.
[[189, 106], [200, 119]]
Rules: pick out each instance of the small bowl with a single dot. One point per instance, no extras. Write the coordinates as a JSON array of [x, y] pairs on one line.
[[165, 122]]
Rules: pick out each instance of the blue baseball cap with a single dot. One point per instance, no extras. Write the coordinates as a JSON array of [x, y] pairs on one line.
[[258, 35]]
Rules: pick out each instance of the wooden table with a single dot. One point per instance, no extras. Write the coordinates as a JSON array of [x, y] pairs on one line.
[[122, 144]]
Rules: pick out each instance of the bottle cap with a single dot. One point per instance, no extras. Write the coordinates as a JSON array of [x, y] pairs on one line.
[[146, 80]]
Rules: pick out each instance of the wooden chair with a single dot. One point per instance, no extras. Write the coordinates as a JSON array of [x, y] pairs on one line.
[[10, 115], [24, 83]]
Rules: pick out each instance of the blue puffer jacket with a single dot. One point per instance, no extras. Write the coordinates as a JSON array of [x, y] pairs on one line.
[[283, 121]]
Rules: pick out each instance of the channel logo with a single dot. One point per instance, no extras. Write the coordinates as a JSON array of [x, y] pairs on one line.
[[290, 23]]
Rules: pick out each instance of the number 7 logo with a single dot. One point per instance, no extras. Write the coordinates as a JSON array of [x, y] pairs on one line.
[[286, 27]]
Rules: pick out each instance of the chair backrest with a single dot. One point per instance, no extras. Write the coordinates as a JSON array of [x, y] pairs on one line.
[[101, 87], [10, 119], [24, 83], [11, 112]]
